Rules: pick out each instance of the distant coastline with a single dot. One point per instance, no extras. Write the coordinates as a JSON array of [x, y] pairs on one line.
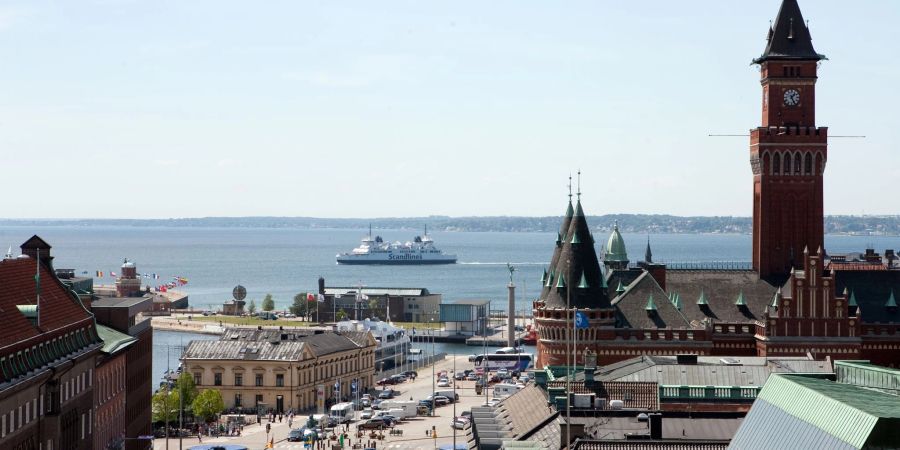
[[886, 225]]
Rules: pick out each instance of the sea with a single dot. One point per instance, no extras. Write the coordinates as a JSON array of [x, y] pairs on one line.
[[285, 262]]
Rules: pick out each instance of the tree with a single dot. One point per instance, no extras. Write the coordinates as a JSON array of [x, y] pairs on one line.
[[251, 308], [373, 305], [186, 389], [208, 405], [268, 303], [164, 405], [341, 314], [300, 306]]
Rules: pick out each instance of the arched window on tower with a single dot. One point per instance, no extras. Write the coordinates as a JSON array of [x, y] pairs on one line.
[[797, 163], [787, 163], [820, 165], [807, 164], [776, 163]]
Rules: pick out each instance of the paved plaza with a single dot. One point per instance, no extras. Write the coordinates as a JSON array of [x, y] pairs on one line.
[[415, 430]]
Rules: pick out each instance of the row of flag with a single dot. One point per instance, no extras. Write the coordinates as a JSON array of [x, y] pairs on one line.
[[155, 276], [315, 297]]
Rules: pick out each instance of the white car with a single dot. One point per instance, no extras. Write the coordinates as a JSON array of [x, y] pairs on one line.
[[366, 414], [461, 423], [443, 382]]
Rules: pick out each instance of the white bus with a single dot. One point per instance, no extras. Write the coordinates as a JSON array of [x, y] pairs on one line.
[[512, 362], [342, 412]]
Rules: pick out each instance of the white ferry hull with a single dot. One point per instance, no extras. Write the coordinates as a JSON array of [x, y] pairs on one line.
[[409, 260]]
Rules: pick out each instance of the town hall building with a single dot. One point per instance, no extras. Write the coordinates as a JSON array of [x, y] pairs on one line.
[[794, 300]]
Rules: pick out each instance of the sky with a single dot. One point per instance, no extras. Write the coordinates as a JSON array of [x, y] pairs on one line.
[[158, 109]]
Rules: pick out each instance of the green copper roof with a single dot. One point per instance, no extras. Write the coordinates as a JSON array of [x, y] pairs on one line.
[[845, 411], [621, 288], [676, 302], [561, 281], [702, 300], [852, 301], [615, 246], [29, 311], [558, 238], [740, 299], [549, 279], [113, 340], [569, 210], [775, 298], [651, 306], [583, 284], [891, 303]]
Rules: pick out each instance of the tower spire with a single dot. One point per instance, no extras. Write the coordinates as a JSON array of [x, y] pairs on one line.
[[579, 185], [570, 187]]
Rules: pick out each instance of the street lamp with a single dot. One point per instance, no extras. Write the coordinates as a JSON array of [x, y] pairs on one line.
[[432, 366]]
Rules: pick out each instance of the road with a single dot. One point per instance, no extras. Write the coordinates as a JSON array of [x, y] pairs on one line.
[[414, 430]]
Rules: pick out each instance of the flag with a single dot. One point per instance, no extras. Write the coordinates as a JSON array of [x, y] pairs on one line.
[[112, 274], [581, 320], [321, 298], [364, 297], [310, 297]]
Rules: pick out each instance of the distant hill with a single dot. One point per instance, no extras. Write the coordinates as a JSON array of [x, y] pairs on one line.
[[637, 223]]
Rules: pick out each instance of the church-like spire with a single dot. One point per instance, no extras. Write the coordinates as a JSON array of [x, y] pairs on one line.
[[648, 255], [789, 37], [561, 238]]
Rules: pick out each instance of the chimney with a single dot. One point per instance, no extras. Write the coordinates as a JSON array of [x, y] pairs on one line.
[[34, 247], [890, 256], [589, 376], [322, 285], [655, 426], [658, 272]]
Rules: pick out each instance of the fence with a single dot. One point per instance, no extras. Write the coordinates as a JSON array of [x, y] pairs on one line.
[[423, 361]]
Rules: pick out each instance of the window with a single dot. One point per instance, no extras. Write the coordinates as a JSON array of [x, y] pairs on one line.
[[787, 163], [259, 379], [217, 379], [807, 164], [237, 400], [279, 380], [197, 378], [259, 399], [238, 379]]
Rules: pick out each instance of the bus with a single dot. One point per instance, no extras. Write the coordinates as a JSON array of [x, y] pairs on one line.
[[513, 362], [342, 412]]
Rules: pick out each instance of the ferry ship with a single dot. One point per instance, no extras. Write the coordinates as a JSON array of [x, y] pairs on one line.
[[393, 342], [375, 251]]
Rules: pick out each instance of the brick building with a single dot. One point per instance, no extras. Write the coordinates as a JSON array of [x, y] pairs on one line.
[[794, 300]]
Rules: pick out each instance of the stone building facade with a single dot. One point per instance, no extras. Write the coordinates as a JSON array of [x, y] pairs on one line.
[[275, 369]]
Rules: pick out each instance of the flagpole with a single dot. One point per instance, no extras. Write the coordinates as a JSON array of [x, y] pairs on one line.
[[37, 286], [569, 376]]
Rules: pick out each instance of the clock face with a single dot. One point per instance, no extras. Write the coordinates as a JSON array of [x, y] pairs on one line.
[[791, 97]]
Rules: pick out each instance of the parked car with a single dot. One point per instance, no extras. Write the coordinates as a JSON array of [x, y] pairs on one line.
[[441, 400], [366, 414], [460, 423], [386, 394], [399, 378], [372, 424], [443, 382], [472, 377], [365, 402], [296, 435], [390, 420], [385, 381], [467, 414], [459, 376], [411, 374], [376, 403]]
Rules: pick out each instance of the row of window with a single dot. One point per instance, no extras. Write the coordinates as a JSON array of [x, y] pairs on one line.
[[787, 163], [24, 361]]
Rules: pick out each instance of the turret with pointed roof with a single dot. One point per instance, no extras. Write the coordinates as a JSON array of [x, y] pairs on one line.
[[616, 257], [561, 238], [648, 255], [578, 277], [789, 37]]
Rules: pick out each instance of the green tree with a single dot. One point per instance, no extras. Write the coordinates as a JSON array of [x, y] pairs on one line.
[[186, 389], [164, 405], [208, 405], [300, 306], [373, 307], [251, 308], [341, 314], [268, 303]]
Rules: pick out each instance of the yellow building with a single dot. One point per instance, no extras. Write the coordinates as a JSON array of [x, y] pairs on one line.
[[282, 369]]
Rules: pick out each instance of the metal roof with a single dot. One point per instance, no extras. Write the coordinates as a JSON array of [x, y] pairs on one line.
[[819, 414], [113, 340], [245, 350], [379, 291]]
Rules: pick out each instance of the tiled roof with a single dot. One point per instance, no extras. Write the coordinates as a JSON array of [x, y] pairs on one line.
[[871, 290], [378, 291], [722, 289], [58, 308], [632, 304], [673, 428], [521, 414], [560, 238], [789, 37]]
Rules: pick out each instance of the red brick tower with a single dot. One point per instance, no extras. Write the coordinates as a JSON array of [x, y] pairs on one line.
[[788, 152]]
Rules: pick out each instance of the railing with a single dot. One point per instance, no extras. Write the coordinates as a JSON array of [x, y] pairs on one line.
[[688, 393], [412, 365]]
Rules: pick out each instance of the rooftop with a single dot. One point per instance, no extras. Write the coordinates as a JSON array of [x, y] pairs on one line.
[[377, 291]]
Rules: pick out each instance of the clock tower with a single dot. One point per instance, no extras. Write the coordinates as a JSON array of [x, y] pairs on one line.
[[788, 151]]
